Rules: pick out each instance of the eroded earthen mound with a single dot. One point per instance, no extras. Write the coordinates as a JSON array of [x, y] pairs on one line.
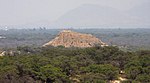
[[68, 38]]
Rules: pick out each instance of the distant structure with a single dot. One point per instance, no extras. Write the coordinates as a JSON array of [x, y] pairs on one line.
[[68, 38], [2, 53]]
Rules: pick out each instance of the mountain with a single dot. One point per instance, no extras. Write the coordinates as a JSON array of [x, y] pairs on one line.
[[68, 38], [141, 11], [94, 15]]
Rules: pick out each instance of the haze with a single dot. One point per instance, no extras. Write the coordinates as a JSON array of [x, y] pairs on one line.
[[50, 12]]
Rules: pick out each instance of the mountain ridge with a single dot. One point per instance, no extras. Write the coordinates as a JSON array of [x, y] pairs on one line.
[[95, 15]]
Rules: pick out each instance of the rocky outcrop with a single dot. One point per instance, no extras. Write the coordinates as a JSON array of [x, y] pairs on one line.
[[68, 38]]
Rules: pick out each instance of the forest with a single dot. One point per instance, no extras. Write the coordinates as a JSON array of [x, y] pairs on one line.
[[75, 65]]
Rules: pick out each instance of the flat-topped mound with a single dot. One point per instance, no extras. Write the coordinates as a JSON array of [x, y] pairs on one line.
[[68, 38]]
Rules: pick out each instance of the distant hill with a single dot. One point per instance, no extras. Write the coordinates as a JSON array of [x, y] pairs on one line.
[[95, 15], [141, 11], [68, 38]]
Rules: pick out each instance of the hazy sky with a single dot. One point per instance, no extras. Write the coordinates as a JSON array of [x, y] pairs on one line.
[[16, 12]]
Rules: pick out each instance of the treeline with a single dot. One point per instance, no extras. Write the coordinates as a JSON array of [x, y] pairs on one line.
[[67, 65]]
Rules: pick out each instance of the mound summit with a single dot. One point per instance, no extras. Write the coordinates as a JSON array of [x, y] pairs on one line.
[[68, 38]]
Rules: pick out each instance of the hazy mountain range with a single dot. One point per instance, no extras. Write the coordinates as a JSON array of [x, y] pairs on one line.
[[141, 11], [91, 15], [94, 16]]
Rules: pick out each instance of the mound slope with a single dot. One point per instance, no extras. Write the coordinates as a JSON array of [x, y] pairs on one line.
[[68, 38]]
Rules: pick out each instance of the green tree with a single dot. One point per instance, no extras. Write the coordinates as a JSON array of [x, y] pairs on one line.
[[50, 73], [110, 72]]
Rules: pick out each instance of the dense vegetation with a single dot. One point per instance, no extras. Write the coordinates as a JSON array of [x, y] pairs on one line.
[[128, 39], [65, 65]]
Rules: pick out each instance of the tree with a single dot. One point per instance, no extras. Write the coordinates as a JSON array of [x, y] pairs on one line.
[[50, 74], [110, 72]]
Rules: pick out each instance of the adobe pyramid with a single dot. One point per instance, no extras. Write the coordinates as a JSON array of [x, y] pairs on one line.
[[68, 38]]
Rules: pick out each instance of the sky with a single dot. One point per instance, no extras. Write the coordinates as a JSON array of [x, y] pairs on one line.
[[19, 12]]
